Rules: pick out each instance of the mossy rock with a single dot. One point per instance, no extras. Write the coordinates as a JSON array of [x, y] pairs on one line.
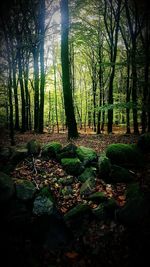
[[144, 142], [72, 165], [43, 206], [68, 151], [33, 147], [104, 166], [68, 180], [77, 211], [124, 155], [87, 187], [120, 175], [19, 153], [110, 207], [97, 197], [45, 192], [86, 155], [51, 150], [86, 174], [7, 188], [133, 190], [99, 212], [134, 211], [25, 190]]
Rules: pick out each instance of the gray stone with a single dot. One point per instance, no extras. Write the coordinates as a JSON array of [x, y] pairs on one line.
[[43, 206]]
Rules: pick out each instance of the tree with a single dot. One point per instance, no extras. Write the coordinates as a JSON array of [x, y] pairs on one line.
[[67, 92], [42, 78]]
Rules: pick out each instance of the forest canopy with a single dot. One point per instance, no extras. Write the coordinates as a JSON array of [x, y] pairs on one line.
[[74, 65]]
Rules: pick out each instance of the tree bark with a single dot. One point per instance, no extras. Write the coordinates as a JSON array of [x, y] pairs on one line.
[[68, 101], [42, 71]]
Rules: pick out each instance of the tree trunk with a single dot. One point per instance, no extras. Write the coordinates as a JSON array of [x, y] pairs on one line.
[[42, 71], [134, 89], [15, 96], [22, 92], [128, 97], [36, 88], [68, 101]]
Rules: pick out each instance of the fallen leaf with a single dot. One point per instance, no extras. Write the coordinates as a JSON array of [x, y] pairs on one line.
[[71, 255]]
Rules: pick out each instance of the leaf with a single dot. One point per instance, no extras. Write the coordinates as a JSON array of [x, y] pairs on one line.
[[71, 255]]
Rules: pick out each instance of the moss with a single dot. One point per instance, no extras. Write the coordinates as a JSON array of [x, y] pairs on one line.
[[88, 173], [97, 197], [72, 165], [6, 187], [119, 175], [33, 147], [86, 154], [51, 150], [45, 192], [133, 190], [88, 186], [104, 166], [25, 190], [77, 211], [124, 154], [68, 151]]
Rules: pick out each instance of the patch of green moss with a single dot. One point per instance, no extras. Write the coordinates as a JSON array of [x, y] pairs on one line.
[[97, 197], [124, 154], [72, 165], [33, 147], [104, 166], [88, 173], [78, 210], [86, 154], [51, 149], [45, 192]]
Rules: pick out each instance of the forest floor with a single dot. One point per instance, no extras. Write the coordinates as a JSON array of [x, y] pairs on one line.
[[88, 139], [101, 245]]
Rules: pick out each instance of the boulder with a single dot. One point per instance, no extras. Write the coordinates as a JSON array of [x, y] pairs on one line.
[[97, 197], [43, 206], [144, 142], [86, 174], [86, 155], [124, 155], [7, 188], [136, 207], [51, 150], [18, 154], [72, 165], [120, 175], [77, 211], [25, 190], [68, 151], [33, 147], [104, 166], [87, 187]]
